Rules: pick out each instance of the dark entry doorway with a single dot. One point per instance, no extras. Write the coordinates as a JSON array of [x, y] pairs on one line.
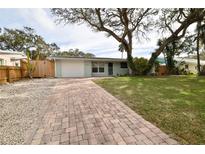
[[110, 68]]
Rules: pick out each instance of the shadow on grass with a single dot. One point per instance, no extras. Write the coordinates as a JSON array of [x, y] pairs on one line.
[[175, 104]]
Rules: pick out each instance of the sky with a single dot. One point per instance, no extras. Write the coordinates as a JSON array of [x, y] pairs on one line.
[[72, 36]]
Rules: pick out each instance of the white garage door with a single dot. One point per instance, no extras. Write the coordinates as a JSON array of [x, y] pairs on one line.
[[72, 68]]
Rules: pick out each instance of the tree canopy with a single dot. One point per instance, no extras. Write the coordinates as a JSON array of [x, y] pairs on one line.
[[26, 40], [73, 53], [175, 22], [123, 24], [120, 23]]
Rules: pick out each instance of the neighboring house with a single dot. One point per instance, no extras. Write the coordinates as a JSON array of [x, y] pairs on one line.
[[11, 58], [190, 65], [88, 67]]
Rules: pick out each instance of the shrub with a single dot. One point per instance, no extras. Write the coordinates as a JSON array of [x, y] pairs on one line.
[[141, 65], [203, 70]]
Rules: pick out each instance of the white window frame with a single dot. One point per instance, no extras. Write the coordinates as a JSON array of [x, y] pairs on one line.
[[1, 61], [98, 65]]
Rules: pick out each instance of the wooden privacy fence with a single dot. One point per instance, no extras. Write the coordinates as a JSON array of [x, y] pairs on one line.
[[162, 70], [9, 74], [43, 68]]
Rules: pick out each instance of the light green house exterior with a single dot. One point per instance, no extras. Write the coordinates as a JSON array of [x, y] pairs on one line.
[[89, 67]]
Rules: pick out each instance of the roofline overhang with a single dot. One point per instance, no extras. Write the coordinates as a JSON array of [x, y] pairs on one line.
[[89, 59]]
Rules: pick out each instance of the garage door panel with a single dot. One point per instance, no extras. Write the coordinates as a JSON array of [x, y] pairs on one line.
[[72, 69]]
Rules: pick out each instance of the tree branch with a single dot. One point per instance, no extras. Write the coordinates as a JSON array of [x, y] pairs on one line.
[[103, 28]]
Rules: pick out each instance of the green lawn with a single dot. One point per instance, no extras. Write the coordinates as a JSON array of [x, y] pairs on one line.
[[175, 104]]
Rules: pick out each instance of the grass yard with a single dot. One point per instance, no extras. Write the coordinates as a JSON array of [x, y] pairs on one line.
[[175, 104]]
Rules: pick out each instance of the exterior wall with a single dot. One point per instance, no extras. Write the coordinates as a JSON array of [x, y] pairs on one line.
[[101, 74], [192, 64], [192, 68], [72, 68], [58, 68], [80, 68], [88, 68], [6, 59], [65, 68], [117, 70]]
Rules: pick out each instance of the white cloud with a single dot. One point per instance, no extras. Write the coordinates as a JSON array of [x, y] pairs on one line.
[[77, 36], [37, 17]]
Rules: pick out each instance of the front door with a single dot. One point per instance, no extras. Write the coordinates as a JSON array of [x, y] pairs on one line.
[[110, 68]]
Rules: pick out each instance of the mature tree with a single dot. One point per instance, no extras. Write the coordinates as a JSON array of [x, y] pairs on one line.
[[140, 64], [199, 36], [73, 53], [202, 56], [200, 42], [25, 40], [175, 22], [121, 23], [176, 48], [197, 46]]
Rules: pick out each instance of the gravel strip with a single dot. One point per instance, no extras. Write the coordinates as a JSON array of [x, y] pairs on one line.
[[21, 105]]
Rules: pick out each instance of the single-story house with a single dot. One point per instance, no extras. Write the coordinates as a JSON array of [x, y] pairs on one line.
[[89, 67], [190, 65], [11, 58]]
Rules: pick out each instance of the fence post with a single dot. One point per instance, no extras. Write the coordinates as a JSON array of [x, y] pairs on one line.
[[8, 75]]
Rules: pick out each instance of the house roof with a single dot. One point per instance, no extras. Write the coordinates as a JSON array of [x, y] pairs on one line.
[[11, 52], [89, 59], [189, 60], [161, 60]]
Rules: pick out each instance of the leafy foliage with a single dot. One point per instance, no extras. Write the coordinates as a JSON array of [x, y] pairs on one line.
[[141, 65], [176, 48], [30, 67], [73, 53], [175, 22], [120, 23], [26, 40]]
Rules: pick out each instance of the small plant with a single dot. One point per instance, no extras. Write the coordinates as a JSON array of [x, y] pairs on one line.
[[203, 70], [141, 65], [30, 66]]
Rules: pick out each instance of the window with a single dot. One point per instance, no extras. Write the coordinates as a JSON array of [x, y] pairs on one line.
[[1, 62], [94, 67], [101, 67], [16, 64], [186, 66], [123, 65], [98, 68], [94, 70]]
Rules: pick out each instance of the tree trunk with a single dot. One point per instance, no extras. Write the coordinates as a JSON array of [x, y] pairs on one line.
[[192, 18], [197, 48], [131, 65], [160, 50]]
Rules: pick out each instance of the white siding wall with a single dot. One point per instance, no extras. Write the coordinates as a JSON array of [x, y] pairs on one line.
[[105, 70], [58, 68], [79, 68], [192, 68], [88, 68], [71, 68], [6, 59], [117, 70]]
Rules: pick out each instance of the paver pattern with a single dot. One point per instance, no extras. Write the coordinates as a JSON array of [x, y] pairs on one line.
[[81, 112]]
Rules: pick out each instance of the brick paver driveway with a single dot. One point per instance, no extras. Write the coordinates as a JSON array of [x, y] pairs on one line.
[[81, 112]]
